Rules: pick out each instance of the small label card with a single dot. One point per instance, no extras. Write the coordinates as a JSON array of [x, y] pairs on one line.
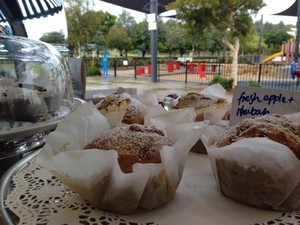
[[253, 101]]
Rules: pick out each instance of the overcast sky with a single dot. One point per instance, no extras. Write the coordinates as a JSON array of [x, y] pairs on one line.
[[37, 27]]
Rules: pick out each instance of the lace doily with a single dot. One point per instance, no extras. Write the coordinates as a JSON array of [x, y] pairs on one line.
[[37, 197]]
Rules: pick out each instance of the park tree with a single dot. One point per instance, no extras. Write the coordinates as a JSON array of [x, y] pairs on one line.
[[54, 37], [275, 39], [127, 21], [141, 40], [99, 41], [117, 38], [274, 35], [84, 23], [232, 18], [214, 40], [250, 42], [175, 40], [208, 39], [74, 10]]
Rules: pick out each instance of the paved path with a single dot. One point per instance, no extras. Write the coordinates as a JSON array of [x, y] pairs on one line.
[[142, 84]]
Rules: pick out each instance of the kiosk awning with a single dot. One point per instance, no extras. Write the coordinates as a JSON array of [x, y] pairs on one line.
[[140, 5], [291, 11], [19, 10]]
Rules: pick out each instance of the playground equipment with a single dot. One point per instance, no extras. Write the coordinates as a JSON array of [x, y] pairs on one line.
[[287, 53], [271, 57], [295, 71]]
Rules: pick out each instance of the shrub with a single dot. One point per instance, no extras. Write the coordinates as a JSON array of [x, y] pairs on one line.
[[93, 71], [227, 83], [252, 83]]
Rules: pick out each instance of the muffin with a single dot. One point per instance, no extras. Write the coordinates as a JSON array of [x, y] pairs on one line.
[[144, 178], [275, 127], [203, 105], [135, 110], [134, 143], [22, 104], [257, 160], [199, 102]]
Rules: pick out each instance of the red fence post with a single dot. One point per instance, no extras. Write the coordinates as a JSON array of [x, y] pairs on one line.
[[213, 68], [149, 69], [190, 66], [170, 67], [177, 65]]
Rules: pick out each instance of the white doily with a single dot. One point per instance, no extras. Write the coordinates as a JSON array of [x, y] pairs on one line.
[[37, 197]]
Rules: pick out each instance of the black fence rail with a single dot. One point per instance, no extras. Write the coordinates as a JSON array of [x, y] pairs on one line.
[[202, 71], [274, 76]]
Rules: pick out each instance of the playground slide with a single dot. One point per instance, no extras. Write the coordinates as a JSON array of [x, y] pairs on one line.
[[268, 59]]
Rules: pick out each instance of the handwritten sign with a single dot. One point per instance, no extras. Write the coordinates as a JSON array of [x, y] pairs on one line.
[[252, 102]]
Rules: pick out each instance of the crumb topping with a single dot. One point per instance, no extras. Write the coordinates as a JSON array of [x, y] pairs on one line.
[[195, 100], [135, 111], [275, 127], [134, 143]]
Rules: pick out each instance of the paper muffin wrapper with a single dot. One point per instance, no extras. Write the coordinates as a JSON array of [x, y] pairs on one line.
[[96, 176], [255, 171]]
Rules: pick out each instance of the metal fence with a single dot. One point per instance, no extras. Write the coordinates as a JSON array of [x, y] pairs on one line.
[[202, 71]]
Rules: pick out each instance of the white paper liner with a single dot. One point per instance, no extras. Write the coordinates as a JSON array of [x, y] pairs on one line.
[[96, 175], [273, 159], [214, 112], [215, 90]]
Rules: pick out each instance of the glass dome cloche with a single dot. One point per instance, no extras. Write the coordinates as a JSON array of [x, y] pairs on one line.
[[35, 87]]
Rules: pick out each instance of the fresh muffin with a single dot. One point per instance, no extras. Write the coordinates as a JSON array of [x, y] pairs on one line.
[[257, 163], [134, 143], [135, 110], [199, 102]]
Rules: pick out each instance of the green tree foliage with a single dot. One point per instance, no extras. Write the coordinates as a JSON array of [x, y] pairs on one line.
[[175, 39], [142, 38], [274, 35], [126, 21], [54, 37], [117, 38], [208, 39], [275, 39], [99, 41], [83, 23], [213, 40], [232, 18]]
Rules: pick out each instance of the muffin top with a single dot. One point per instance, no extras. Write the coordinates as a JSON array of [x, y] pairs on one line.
[[195, 100], [134, 143], [275, 127]]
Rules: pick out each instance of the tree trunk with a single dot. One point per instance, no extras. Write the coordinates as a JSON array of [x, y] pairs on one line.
[[235, 49], [78, 48]]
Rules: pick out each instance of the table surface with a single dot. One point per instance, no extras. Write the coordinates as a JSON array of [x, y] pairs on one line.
[[197, 201]]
